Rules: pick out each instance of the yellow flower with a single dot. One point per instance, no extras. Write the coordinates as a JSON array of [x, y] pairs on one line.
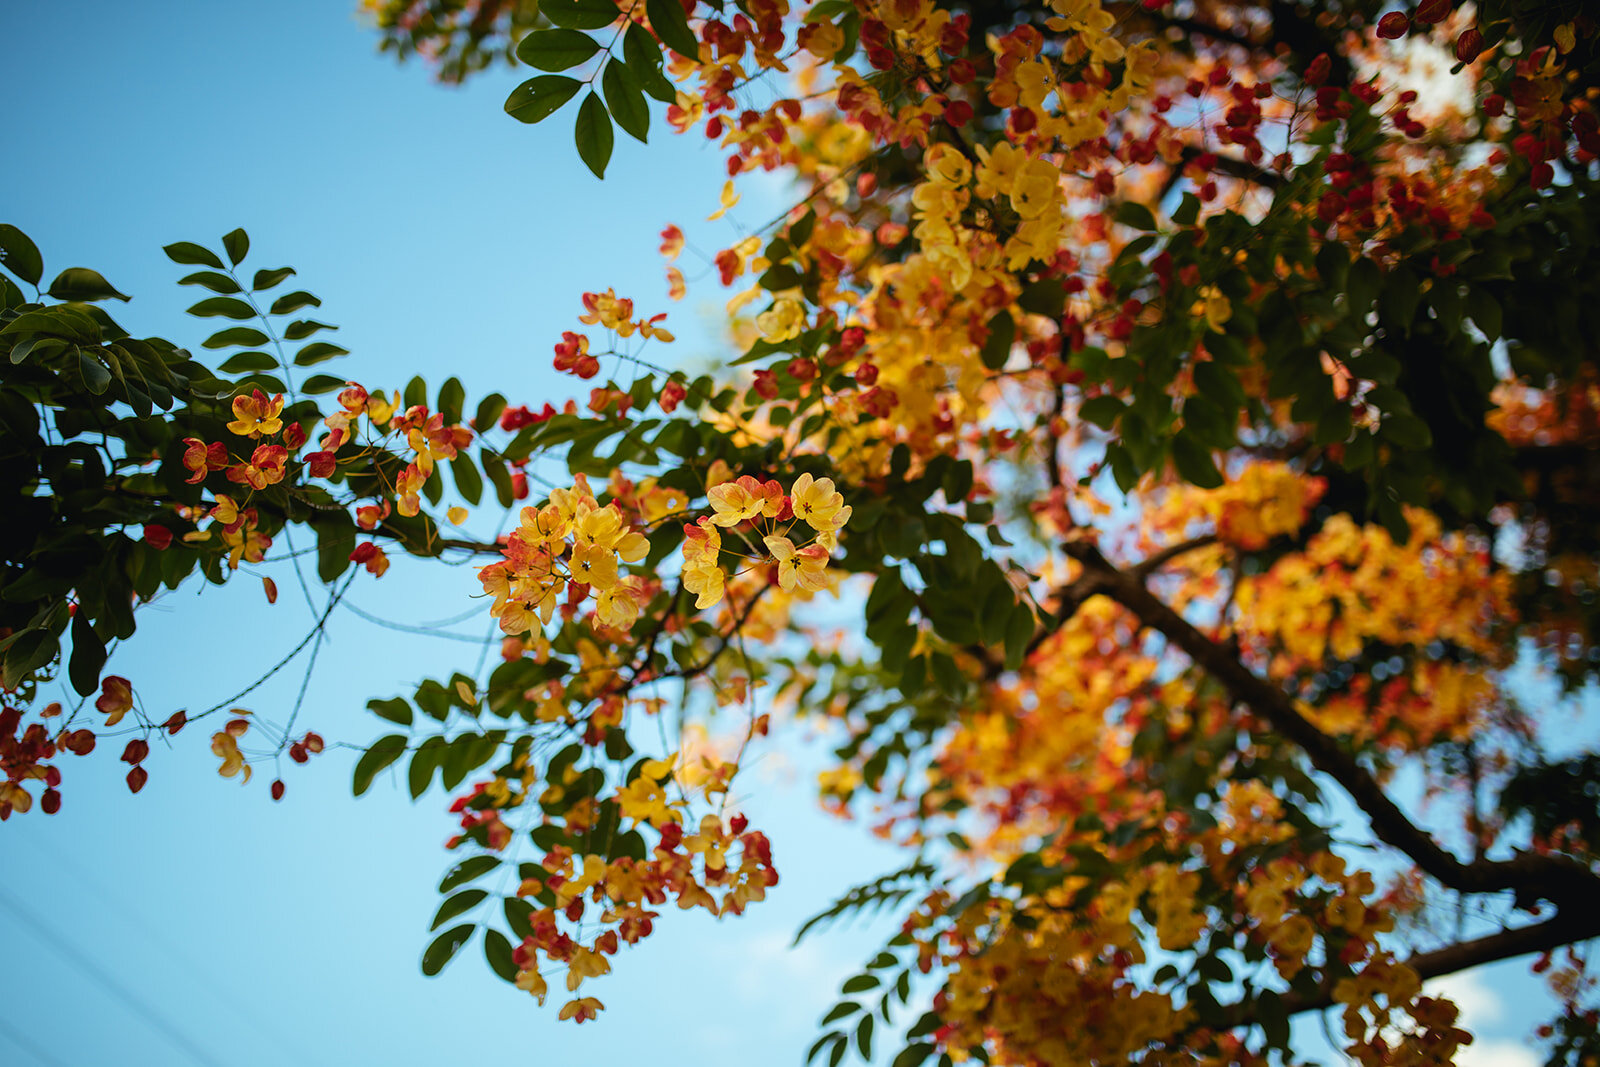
[[736, 501], [533, 982], [783, 320], [706, 582], [817, 503], [581, 1010], [1036, 187], [729, 198], [803, 567], [617, 606], [255, 415], [593, 565]]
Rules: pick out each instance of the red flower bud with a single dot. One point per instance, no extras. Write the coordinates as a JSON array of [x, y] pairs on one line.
[[137, 778], [1431, 11], [1469, 45], [277, 789], [1393, 25]]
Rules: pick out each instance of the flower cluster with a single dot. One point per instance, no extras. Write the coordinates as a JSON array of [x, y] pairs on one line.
[[570, 546], [767, 511]]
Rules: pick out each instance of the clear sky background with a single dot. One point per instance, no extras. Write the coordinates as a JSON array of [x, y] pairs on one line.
[[199, 922]]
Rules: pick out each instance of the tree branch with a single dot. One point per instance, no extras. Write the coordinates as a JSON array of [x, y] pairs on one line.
[[1567, 927], [1533, 876]]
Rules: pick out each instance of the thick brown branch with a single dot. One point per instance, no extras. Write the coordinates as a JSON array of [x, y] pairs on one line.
[[1532, 876], [1568, 927]]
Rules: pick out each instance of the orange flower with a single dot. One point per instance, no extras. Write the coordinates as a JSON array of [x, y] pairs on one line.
[[256, 415], [116, 698], [201, 459], [264, 468], [582, 1009]]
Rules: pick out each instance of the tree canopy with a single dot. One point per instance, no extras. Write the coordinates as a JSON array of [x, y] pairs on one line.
[[1146, 449]]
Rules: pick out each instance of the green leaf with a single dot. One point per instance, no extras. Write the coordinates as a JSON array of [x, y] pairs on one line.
[[88, 656], [580, 14], [499, 476], [593, 134], [237, 244], [518, 913], [859, 984], [1187, 211], [424, 762], [1194, 461], [28, 652], [81, 283], [913, 1055], [463, 901], [20, 255], [318, 352], [1132, 213], [243, 336], [96, 378], [1361, 287], [395, 709], [300, 329], [997, 346], [416, 392], [1405, 429], [643, 56], [383, 752], [444, 948], [1487, 314], [225, 306], [217, 283], [1045, 297], [468, 482], [864, 1037], [488, 413], [626, 101], [294, 302], [671, 24], [266, 279], [318, 384], [248, 362], [555, 50], [1019, 631], [1103, 410], [497, 950], [538, 98], [452, 397], [191, 254]]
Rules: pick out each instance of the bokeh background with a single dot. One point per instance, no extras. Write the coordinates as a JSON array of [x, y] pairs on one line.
[[198, 922]]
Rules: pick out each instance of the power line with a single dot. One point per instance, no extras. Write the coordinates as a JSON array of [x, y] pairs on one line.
[[150, 1013], [132, 918], [28, 1046]]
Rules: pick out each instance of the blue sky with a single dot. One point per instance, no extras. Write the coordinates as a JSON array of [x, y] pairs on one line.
[[199, 922], [444, 238]]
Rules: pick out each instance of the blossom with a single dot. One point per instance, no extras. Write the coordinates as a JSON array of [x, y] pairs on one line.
[[802, 567], [255, 415], [264, 468], [736, 501], [818, 503], [582, 1009], [706, 581], [201, 458], [115, 699]]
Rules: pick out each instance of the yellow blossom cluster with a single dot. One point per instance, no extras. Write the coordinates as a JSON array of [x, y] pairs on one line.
[[569, 542]]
